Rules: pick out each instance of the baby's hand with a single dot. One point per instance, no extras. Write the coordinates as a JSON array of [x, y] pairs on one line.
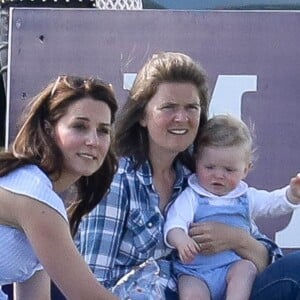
[[293, 193], [188, 251]]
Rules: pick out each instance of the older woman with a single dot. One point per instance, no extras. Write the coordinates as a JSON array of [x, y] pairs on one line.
[[155, 132]]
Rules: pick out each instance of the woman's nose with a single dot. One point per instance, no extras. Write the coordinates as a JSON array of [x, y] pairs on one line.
[[92, 138], [181, 116]]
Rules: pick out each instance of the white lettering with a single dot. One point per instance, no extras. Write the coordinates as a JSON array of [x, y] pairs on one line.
[[228, 93], [128, 79]]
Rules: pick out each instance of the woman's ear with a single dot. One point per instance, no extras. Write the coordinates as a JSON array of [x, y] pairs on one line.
[[142, 121], [48, 128]]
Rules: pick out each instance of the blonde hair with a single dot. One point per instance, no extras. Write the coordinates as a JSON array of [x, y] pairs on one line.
[[224, 131]]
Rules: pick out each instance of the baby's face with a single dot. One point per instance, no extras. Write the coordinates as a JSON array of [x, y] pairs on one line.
[[220, 169]]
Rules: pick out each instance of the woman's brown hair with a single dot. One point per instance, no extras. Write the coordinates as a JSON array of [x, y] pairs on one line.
[[131, 137], [35, 145]]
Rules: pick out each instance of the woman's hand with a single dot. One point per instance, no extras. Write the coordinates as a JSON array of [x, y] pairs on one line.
[[213, 237]]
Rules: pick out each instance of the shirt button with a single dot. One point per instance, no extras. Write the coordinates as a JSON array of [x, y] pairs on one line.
[[149, 225], [140, 222]]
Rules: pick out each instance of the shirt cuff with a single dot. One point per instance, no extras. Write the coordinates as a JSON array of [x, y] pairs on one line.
[[274, 251]]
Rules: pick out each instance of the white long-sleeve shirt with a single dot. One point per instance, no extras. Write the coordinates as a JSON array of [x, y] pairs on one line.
[[261, 203]]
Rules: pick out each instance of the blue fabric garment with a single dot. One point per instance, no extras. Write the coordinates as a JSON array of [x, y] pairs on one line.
[[126, 227], [280, 280], [3, 296], [212, 269]]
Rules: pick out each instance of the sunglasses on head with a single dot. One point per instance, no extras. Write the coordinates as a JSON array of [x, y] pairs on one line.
[[77, 82]]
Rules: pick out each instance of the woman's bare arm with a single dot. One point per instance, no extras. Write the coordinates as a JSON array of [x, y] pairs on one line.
[[50, 237], [37, 287]]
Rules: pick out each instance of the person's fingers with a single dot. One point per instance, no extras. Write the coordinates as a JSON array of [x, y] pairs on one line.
[[198, 246], [198, 238]]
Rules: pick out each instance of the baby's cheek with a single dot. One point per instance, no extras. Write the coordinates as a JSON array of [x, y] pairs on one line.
[[233, 182]]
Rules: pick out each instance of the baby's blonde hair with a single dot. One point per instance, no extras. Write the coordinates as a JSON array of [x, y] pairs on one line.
[[225, 131]]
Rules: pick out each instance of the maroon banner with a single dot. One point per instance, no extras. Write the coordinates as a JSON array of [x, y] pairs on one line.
[[252, 59]]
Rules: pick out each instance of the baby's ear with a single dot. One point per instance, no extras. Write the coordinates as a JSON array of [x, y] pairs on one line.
[[248, 168], [250, 165]]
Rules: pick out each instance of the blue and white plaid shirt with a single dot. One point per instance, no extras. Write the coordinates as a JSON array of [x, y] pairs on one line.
[[126, 227]]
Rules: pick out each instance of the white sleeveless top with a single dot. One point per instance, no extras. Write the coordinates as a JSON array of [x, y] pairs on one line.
[[18, 261]]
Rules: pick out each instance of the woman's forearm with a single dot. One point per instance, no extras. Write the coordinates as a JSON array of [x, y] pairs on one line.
[[249, 248]]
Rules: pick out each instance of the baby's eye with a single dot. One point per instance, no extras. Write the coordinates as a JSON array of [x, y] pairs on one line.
[[229, 170], [209, 167]]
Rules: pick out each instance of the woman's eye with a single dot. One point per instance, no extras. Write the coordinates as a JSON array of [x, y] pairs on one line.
[[79, 126], [167, 107], [104, 130], [194, 107]]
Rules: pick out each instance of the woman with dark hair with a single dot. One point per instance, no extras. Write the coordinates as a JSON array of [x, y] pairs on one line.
[[64, 140]]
